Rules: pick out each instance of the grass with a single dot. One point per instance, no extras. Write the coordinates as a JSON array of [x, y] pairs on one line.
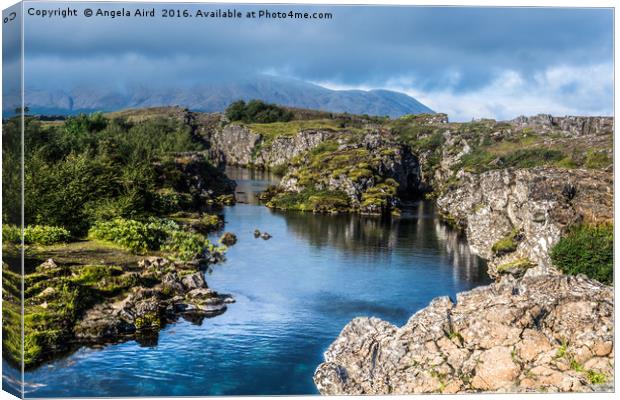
[[273, 130], [515, 265], [507, 244]]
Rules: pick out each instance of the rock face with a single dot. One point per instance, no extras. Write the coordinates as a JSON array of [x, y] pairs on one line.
[[546, 333], [235, 144], [530, 207], [575, 125], [367, 173]]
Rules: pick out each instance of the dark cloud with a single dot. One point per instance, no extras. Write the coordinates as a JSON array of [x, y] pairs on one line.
[[360, 46]]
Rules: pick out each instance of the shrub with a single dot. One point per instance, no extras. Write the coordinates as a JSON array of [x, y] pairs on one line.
[[256, 111], [42, 234], [35, 234], [187, 246], [586, 249], [11, 234], [137, 236]]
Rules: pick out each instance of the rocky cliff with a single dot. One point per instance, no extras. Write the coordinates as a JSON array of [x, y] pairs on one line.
[[513, 217], [547, 333], [236, 144]]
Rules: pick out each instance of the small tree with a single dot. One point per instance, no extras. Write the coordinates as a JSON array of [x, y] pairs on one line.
[[236, 111]]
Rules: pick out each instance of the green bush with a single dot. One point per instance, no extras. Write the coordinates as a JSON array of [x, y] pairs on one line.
[[11, 234], [152, 235], [187, 246], [35, 234], [42, 234], [256, 111], [137, 236], [586, 249]]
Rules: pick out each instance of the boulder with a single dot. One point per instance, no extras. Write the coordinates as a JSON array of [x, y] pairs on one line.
[[228, 239]]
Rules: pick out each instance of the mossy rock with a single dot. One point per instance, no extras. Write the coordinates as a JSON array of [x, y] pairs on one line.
[[516, 267]]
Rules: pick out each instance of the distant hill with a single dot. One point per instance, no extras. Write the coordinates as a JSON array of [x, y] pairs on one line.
[[217, 96]]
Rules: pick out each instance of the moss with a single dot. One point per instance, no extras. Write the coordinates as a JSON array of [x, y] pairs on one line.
[[148, 321], [274, 130], [596, 378], [507, 244], [515, 265]]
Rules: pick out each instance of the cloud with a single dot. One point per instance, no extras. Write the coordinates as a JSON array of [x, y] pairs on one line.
[[557, 90], [442, 53]]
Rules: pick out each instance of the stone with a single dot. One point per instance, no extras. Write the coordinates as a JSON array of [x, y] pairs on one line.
[[228, 239], [194, 281], [496, 369], [501, 337]]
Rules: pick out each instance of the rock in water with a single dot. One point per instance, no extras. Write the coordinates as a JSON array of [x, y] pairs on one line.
[[228, 239], [551, 333]]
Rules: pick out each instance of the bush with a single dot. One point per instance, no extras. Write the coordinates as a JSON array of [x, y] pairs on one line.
[[256, 111], [187, 246], [152, 235], [11, 234], [35, 234], [139, 237], [586, 249], [42, 234]]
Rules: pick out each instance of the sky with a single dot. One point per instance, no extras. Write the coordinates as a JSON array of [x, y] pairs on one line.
[[468, 62]]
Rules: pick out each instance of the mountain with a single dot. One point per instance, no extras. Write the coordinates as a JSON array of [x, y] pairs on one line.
[[217, 96]]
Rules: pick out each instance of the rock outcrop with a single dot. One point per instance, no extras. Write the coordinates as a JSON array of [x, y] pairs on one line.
[[235, 144], [574, 125], [146, 309], [528, 208], [546, 333], [361, 174]]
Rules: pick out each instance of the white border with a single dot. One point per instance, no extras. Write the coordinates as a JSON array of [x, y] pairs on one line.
[[484, 3]]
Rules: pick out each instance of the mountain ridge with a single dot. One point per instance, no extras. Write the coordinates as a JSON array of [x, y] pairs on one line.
[[215, 97]]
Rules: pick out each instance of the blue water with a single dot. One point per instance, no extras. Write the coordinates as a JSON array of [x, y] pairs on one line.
[[294, 295]]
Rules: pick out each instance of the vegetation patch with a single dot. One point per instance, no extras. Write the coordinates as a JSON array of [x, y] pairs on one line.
[[518, 265], [152, 235], [35, 234], [507, 244], [256, 111], [586, 249], [311, 199]]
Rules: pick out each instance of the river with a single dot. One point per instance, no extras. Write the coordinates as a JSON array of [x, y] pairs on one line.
[[294, 292]]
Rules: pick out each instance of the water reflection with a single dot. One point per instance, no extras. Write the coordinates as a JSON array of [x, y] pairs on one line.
[[417, 231], [294, 294]]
